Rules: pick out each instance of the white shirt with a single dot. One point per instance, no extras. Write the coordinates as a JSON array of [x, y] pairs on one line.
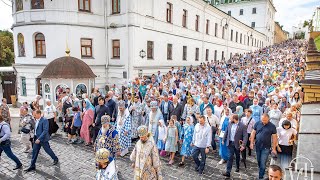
[[245, 121], [213, 120], [49, 111], [202, 136], [284, 135]]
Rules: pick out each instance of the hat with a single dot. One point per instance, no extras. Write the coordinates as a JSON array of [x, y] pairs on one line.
[[142, 131], [105, 119], [102, 155], [122, 103], [154, 104]]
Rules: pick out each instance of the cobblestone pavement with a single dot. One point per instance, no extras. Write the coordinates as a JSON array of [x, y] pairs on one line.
[[77, 162]]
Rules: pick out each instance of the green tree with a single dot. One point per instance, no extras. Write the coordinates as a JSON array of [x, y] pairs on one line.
[[6, 48]]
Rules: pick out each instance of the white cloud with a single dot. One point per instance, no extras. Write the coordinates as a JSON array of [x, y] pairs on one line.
[[292, 12], [5, 15]]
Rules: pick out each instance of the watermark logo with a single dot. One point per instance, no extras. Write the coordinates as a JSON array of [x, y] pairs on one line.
[[301, 168]]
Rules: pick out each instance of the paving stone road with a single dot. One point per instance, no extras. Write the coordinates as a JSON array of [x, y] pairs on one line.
[[77, 162]]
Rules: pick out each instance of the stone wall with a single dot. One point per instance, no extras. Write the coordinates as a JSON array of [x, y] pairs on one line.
[[279, 34]]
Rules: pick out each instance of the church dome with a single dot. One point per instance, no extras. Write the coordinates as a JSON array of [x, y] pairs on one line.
[[67, 67]]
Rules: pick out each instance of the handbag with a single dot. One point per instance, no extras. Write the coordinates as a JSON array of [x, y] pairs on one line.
[[25, 130], [163, 153]]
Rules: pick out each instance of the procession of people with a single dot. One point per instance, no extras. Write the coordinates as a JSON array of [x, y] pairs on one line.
[[248, 106]]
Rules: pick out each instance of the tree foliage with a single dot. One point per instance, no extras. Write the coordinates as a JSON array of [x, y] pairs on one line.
[[6, 48]]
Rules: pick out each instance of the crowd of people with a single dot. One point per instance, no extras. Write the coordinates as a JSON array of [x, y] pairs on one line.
[[251, 102]]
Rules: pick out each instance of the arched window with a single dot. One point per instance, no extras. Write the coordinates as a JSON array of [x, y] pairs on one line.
[[59, 90], [37, 4], [21, 49], [40, 45], [19, 5], [81, 89]]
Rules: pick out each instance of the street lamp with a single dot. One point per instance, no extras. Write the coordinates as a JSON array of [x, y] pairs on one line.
[[249, 33], [226, 24], [142, 54]]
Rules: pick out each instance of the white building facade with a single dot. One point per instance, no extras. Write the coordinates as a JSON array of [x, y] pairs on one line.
[[258, 14], [121, 39], [316, 19]]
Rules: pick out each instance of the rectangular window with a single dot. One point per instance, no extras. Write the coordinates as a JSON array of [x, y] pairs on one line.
[[230, 55], [215, 55], [84, 5], [254, 10], [169, 51], [150, 50], [169, 12], [184, 54], [231, 36], [240, 38], [116, 48], [236, 36], [253, 24], [216, 29], [197, 23], [37, 4], [241, 12], [222, 55], [197, 54], [115, 6], [248, 41], [207, 26], [207, 54], [86, 47], [23, 86], [229, 13], [184, 18], [223, 32]]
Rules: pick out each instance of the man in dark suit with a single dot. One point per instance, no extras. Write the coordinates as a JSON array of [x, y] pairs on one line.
[[176, 108], [235, 133], [165, 108], [41, 137]]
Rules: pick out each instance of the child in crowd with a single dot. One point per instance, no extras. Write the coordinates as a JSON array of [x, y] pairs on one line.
[[75, 126], [68, 122], [162, 132], [172, 140]]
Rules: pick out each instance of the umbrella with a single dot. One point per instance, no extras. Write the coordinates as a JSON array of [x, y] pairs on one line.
[[243, 154]]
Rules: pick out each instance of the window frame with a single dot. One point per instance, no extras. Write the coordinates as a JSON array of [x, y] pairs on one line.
[[207, 55], [253, 24], [215, 55], [23, 87], [42, 43], [116, 48], [169, 13], [16, 5], [84, 7], [207, 26], [236, 36], [222, 55], [216, 29], [184, 18], [197, 23], [86, 46], [150, 56], [169, 51], [41, 5], [241, 12], [118, 10], [231, 36], [184, 53], [20, 53], [229, 13], [254, 10], [197, 54]]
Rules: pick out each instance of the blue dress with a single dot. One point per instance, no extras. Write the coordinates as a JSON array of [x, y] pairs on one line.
[[224, 151], [186, 149]]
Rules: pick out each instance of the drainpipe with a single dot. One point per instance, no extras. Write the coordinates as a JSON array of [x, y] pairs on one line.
[[128, 43], [106, 37]]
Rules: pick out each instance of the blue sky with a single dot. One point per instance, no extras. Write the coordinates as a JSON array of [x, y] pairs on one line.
[[289, 12]]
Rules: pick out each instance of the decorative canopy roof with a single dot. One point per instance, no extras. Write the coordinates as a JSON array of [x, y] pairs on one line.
[[67, 67]]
